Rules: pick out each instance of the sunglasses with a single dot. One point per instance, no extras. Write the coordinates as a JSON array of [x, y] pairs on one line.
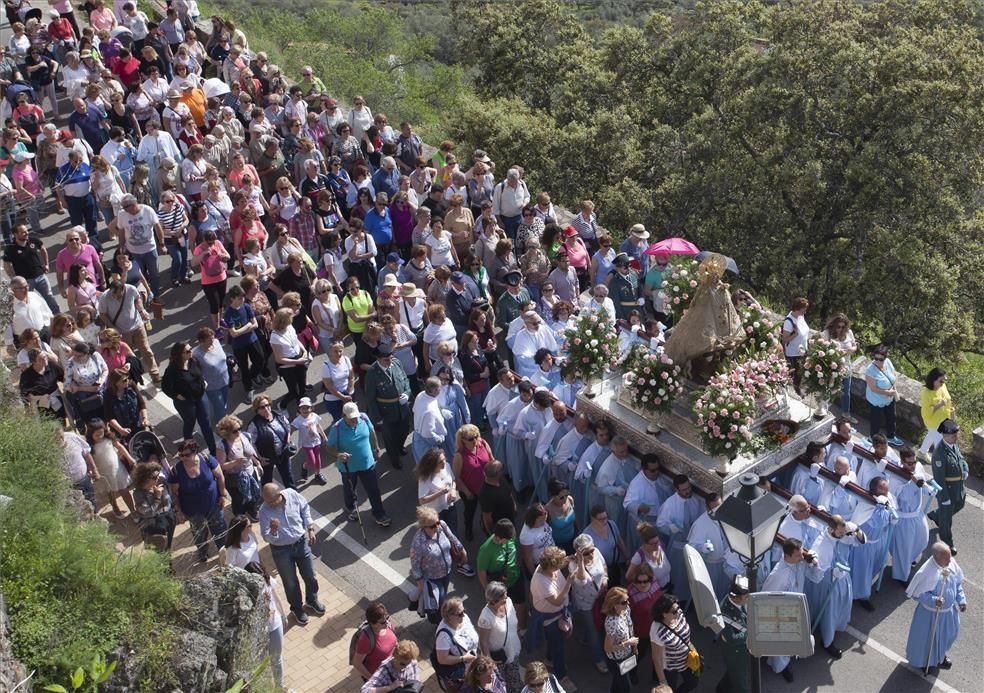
[[433, 526], [643, 580], [879, 359], [471, 438]]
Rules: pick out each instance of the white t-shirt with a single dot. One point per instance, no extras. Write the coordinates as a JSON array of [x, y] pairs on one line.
[[247, 552], [366, 245], [338, 374], [540, 538], [73, 461], [440, 250], [308, 435], [543, 586], [425, 487], [503, 632], [288, 340], [797, 325], [139, 229]]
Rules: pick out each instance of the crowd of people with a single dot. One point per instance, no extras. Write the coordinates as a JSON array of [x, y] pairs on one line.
[[313, 231]]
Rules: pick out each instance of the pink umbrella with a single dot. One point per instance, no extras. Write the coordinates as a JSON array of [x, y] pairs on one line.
[[672, 246]]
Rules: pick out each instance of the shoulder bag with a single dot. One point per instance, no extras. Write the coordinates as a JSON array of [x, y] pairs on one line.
[[695, 663]]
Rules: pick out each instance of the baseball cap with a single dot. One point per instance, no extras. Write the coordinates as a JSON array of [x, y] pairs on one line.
[[350, 410]]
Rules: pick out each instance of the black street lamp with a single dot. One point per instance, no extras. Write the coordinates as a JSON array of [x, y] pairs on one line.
[[750, 520]]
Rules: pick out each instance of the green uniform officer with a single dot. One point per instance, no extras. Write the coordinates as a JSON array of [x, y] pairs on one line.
[[736, 674], [623, 287], [949, 471], [507, 306], [388, 397]]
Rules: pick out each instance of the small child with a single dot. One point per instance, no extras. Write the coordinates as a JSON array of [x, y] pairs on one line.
[[87, 328], [310, 436]]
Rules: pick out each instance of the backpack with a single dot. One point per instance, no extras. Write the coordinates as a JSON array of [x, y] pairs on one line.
[[29, 123], [364, 627]]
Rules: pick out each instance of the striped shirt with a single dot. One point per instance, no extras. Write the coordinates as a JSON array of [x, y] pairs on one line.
[[676, 645], [173, 221], [586, 229]]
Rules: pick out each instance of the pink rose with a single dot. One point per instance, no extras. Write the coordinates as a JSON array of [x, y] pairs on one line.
[[577, 341], [676, 301]]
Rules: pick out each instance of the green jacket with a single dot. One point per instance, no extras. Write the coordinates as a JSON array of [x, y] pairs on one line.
[[624, 292], [948, 463], [384, 385], [507, 307]]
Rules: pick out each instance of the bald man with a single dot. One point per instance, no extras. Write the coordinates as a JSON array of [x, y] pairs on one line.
[[547, 444], [938, 589]]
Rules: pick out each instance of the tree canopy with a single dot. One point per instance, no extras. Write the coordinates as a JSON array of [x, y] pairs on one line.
[[833, 148]]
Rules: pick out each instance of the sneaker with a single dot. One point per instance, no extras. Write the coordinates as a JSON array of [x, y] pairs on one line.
[[234, 273], [250, 395], [317, 607], [353, 515], [320, 479], [834, 651], [466, 570], [896, 442], [302, 618], [384, 521]]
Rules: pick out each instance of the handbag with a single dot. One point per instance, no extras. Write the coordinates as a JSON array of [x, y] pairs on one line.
[[695, 663], [628, 664], [410, 687]]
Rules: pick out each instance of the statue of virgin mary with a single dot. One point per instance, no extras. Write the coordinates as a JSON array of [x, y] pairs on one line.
[[711, 324]]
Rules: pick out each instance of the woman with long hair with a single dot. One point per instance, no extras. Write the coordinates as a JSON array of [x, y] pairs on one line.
[[838, 330], [154, 505], [291, 356], [472, 454], [184, 383]]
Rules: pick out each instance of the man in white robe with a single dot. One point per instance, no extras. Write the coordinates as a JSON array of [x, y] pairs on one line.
[[790, 575], [708, 538], [676, 516], [883, 455], [841, 445], [586, 471], [836, 498], [800, 524], [569, 450], [612, 482], [647, 492], [533, 337], [429, 429], [546, 446]]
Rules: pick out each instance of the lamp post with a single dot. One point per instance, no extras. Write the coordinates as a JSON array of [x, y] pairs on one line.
[[750, 520]]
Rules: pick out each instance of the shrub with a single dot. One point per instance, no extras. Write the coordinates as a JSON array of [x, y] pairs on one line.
[[71, 597]]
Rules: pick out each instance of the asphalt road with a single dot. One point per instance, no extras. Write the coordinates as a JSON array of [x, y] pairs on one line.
[[874, 647]]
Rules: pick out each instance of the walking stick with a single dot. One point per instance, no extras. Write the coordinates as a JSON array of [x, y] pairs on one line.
[[936, 620], [346, 478]]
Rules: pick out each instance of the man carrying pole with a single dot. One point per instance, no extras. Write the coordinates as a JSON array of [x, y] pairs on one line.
[[938, 588]]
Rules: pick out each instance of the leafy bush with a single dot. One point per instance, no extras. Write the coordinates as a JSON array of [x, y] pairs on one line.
[[72, 599]]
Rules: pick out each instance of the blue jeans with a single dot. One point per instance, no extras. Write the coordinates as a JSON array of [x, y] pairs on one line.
[[88, 492], [108, 214], [179, 260], [147, 264], [212, 523], [475, 408], [584, 623], [512, 226], [370, 483], [555, 648], [289, 560], [217, 402], [82, 210], [41, 285], [191, 411], [846, 396]]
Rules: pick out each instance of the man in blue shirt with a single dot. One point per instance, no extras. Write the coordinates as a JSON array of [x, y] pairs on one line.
[[379, 225], [386, 178], [89, 122], [285, 523], [352, 441]]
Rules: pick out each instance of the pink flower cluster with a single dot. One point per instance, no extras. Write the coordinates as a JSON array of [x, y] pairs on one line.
[[725, 410]]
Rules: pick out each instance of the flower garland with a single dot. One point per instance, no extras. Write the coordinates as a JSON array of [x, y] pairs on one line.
[[725, 410], [653, 380], [680, 285], [768, 374], [591, 344], [823, 367]]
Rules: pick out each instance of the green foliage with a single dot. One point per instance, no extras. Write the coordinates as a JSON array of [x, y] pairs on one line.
[[359, 50], [71, 597], [98, 672]]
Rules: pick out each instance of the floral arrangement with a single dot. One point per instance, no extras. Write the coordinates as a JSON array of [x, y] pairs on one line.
[[653, 380], [591, 344], [762, 331], [823, 367], [680, 284], [766, 374], [725, 410]]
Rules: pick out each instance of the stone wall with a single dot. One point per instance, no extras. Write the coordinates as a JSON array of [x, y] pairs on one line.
[[12, 672]]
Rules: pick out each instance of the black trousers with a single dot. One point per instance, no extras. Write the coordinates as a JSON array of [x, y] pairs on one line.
[[295, 378], [394, 435], [251, 363]]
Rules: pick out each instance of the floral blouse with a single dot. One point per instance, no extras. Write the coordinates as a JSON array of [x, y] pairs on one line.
[[619, 626], [430, 559]]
